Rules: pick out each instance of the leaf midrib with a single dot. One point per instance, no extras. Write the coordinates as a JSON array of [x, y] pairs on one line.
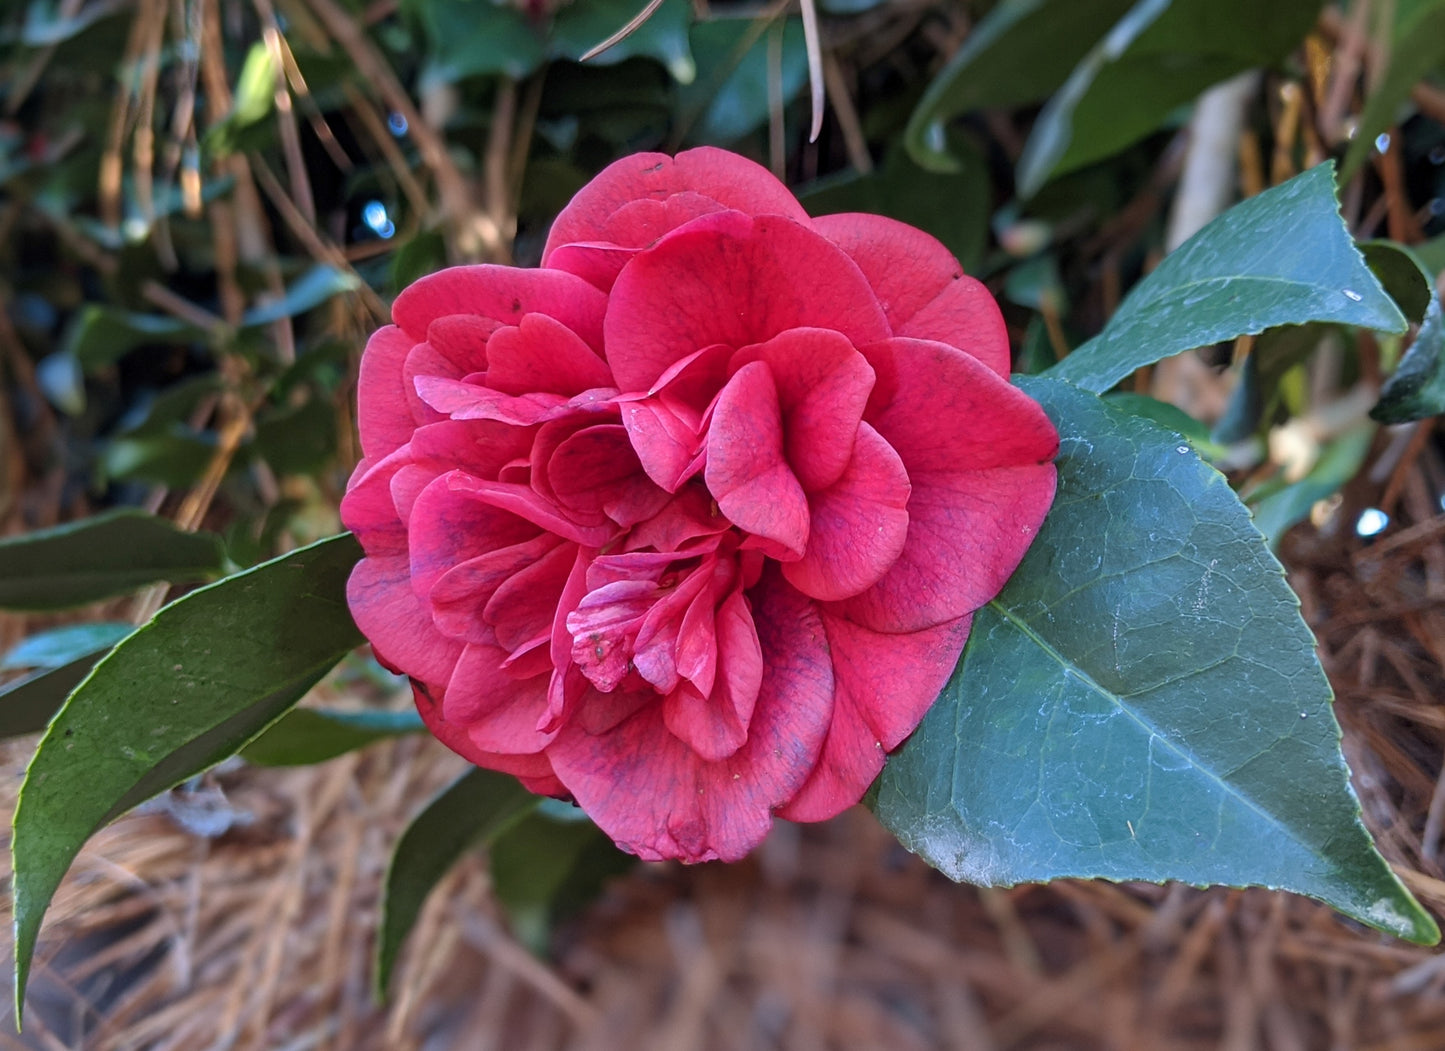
[[1166, 740]]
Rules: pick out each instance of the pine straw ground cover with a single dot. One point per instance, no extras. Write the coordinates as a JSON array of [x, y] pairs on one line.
[[241, 914]]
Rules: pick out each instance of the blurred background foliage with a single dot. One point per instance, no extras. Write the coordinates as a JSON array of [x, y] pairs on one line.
[[206, 205]]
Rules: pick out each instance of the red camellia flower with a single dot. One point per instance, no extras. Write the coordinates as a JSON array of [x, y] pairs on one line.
[[689, 524]]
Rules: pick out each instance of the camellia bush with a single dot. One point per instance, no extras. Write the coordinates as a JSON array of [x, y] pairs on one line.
[[732, 510]]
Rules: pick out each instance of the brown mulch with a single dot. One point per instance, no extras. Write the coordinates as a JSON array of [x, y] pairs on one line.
[[172, 934]]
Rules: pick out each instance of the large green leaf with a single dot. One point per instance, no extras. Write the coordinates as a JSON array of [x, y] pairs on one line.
[[581, 27], [1417, 46], [109, 554], [1020, 52], [1159, 56], [1143, 700], [472, 811], [206, 675], [1281, 258]]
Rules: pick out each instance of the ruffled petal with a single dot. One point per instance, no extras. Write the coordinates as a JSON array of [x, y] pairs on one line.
[[886, 683], [922, 288], [383, 411], [728, 278], [858, 525], [638, 199], [499, 713], [534, 771], [823, 386], [658, 799], [388, 612], [746, 472], [504, 294], [541, 355]]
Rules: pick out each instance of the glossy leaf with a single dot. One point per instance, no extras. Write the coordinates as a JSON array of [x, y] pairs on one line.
[[475, 809], [61, 657], [545, 870], [1020, 52], [1417, 388], [1281, 258], [207, 674], [96, 558], [729, 97], [313, 735], [1417, 46], [1143, 700], [1160, 55], [664, 36]]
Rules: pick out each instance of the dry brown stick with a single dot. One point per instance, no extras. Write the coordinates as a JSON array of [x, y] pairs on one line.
[[285, 114]]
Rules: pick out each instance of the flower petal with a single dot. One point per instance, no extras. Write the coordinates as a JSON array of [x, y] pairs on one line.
[[857, 526], [746, 472], [823, 386], [499, 713], [504, 294], [727, 278], [386, 609], [658, 799], [383, 411], [638, 199], [541, 355], [534, 771], [921, 286], [886, 683]]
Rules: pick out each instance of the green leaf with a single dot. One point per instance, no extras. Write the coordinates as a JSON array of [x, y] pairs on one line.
[[467, 38], [729, 97], [1288, 504], [1159, 56], [664, 36], [29, 703], [1417, 46], [1019, 53], [545, 870], [1402, 275], [1142, 701], [63, 657], [1417, 389], [475, 809], [954, 207], [1281, 258], [310, 290], [110, 554], [60, 646], [102, 335], [313, 735], [206, 675]]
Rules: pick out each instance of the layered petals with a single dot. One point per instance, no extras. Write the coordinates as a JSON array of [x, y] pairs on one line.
[[689, 524]]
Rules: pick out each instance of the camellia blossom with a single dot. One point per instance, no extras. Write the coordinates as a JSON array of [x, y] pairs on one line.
[[689, 523]]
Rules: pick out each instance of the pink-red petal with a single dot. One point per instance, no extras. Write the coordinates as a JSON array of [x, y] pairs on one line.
[[922, 288], [823, 387], [658, 799], [636, 200], [858, 525], [728, 278], [541, 355], [746, 472], [504, 294]]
